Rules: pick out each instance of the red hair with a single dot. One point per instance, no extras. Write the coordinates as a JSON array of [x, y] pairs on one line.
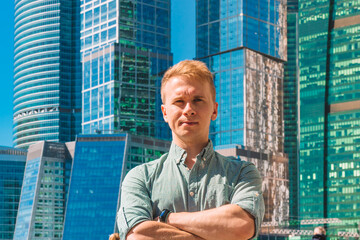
[[192, 70]]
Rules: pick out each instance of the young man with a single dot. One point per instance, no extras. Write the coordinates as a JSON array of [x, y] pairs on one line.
[[192, 192]]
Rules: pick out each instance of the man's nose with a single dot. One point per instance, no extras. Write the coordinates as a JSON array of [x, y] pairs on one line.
[[189, 110]]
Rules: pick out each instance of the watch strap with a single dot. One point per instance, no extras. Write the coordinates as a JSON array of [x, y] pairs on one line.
[[164, 215]]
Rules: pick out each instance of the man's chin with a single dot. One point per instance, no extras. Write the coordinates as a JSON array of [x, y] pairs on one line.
[[189, 136]]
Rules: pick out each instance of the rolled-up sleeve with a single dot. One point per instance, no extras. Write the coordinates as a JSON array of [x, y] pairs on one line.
[[248, 195], [135, 202]]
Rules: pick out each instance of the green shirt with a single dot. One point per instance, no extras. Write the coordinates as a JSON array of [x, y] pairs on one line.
[[213, 181]]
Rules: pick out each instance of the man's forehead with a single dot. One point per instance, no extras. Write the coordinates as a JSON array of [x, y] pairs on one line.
[[184, 86], [189, 90]]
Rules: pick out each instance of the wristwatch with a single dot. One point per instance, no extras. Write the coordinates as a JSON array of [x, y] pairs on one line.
[[163, 215]]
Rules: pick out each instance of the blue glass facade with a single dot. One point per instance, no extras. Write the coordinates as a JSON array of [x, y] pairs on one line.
[[249, 94], [12, 167], [229, 74], [223, 25], [100, 164], [125, 47], [68, 188], [92, 200], [27, 200], [244, 45], [45, 185], [47, 72]]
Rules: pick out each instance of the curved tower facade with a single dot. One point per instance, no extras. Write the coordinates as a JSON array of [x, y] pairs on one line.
[[47, 71]]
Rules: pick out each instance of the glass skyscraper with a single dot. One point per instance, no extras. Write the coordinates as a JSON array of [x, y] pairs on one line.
[[125, 47], [95, 184], [329, 66], [100, 163], [71, 189], [291, 107], [244, 44], [47, 71], [45, 185], [12, 167]]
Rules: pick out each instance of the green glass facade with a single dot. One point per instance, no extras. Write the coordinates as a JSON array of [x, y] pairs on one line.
[[329, 70], [291, 83]]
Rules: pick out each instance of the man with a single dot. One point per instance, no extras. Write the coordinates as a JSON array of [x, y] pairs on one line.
[[319, 234], [192, 192]]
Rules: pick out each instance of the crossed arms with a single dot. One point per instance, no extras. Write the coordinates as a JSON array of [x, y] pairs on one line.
[[226, 222], [239, 220]]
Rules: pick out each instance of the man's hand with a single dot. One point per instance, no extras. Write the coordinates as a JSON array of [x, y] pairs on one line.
[[114, 236]]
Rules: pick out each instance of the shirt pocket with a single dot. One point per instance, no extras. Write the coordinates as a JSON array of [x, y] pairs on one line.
[[217, 195]]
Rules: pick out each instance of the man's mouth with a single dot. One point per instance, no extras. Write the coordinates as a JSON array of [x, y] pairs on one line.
[[189, 123]]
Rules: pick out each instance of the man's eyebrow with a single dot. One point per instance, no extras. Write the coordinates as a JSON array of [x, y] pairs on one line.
[[176, 98]]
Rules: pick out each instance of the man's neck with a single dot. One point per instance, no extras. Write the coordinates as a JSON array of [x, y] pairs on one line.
[[192, 150]]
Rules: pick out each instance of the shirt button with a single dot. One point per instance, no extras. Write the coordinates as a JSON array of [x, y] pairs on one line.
[[192, 194]]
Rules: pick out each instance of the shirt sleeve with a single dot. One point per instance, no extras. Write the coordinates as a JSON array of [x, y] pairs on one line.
[[248, 195], [135, 202]]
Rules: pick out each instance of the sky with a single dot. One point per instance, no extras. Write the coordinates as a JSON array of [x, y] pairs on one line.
[[182, 44], [6, 71]]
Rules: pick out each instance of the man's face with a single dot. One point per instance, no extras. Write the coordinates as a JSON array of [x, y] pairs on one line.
[[188, 109]]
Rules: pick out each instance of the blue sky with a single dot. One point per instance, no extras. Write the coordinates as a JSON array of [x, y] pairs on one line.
[[6, 71], [182, 43]]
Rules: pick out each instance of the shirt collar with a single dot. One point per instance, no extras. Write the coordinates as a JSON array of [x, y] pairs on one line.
[[179, 155]]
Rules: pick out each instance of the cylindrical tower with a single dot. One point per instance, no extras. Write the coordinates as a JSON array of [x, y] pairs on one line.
[[46, 73]]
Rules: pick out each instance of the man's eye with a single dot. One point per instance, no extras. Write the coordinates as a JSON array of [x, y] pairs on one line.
[[197, 100]]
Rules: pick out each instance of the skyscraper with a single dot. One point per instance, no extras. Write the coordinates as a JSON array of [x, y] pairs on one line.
[[329, 54], [47, 72], [44, 190], [100, 163], [12, 166], [125, 47], [244, 44], [68, 188], [291, 106]]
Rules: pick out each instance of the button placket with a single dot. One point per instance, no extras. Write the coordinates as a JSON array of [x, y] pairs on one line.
[[192, 203]]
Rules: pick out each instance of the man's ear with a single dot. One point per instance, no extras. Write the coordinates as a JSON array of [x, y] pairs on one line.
[[215, 112], [163, 110]]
